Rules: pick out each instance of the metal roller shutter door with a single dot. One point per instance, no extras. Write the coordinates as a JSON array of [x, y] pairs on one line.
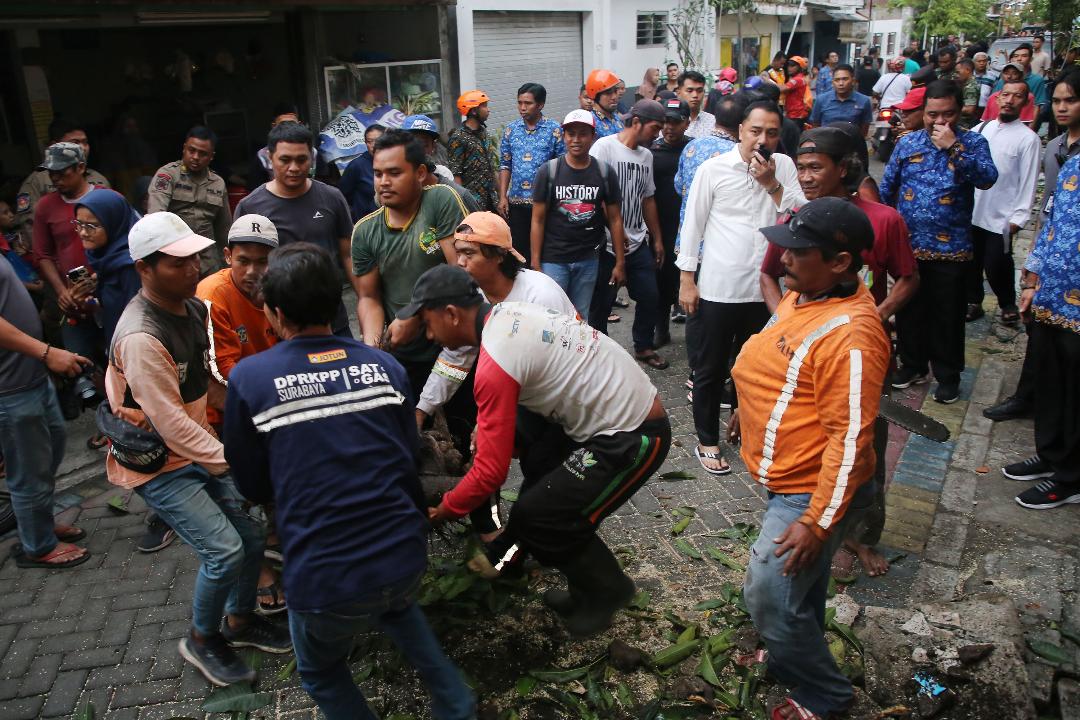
[[513, 48]]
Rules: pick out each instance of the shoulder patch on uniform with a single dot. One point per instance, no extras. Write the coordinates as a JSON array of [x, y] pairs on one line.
[[22, 202], [162, 181]]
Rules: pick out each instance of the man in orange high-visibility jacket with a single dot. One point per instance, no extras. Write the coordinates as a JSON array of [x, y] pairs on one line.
[[808, 386]]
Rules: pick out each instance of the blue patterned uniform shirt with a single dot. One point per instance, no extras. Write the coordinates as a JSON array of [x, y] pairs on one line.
[[934, 190], [823, 84], [1056, 255], [523, 151], [607, 126], [697, 152]]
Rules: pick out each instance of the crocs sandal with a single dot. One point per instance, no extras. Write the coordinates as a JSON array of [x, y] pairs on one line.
[[61, 550], [703, 455], [801, 713], [68, 533], [274, 606]]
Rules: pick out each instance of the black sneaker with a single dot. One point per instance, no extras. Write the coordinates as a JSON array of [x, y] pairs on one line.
[[947, 393], [1011, 408], [158, 536], [258, 633], [906, 377], [1034, 468], [1049, 494], [677, 315], [218, 662]]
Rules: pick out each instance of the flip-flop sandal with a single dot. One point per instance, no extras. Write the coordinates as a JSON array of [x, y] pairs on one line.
[[1010, 317], [68, 533], [652, 360], [272, 591], [801, 713], [613, 318], [96, 442], [974, 312], [703, 455], [25, 561]]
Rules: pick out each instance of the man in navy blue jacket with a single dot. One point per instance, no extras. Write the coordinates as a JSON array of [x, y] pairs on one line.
[[322, 425]]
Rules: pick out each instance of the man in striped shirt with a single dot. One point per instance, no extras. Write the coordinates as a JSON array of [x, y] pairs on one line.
[[808, 386]]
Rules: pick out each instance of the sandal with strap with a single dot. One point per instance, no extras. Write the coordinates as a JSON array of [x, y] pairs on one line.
[[68, 533], [801, 713], [703, 455], [1010, 317], [53, 558], [651, 359], [974, 312], [275, 605]]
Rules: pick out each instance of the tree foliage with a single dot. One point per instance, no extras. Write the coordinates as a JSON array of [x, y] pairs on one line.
[[950, 17]]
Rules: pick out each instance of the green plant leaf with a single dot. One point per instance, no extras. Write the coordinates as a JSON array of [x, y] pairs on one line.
[[236, 698], [1049, 652], [525, 685], [364, 672], [287, 671], [831, 591], [707, 671], [690, 633], [724, 559], [508, 495], [625, 697], [86, 712], [118, 504], [1069, 635], [711, 604], [678, 527], [687, 549], [842, 630], [720, 643], [641, 600], [566, 675], [678, 475], [685, 511], [675, 653]]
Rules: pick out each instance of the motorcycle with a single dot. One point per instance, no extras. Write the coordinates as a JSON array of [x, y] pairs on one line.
[[883, 137]]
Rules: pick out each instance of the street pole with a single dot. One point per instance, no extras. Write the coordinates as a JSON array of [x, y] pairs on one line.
[[798, 17]]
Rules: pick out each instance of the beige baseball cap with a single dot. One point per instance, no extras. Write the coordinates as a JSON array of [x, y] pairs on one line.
[[253, 229], [164, 232]]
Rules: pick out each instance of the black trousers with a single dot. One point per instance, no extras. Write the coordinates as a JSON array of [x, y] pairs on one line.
[[718, 331], [667, 286], [520, 222], [996, 260], [1025, 386], [569, 487], [1057, 399], [930, 328]]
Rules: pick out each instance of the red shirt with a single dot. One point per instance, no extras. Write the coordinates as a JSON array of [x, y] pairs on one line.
[[795, 98], [891, 253], [1027, 114], [54, 236]]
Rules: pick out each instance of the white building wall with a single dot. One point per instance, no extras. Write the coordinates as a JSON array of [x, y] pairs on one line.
[[884, 27]]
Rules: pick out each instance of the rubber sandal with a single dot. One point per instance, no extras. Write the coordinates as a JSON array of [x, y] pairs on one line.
[[613, 318], [703, 455], [62, 549], [974, 312], [96, 442], [801, 713], [652, 360], [68, 533], [272, 591], [1010, 317]]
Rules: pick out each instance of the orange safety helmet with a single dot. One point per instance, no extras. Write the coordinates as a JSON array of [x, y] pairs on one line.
[[600, 81], [471, 99], [799, 60]]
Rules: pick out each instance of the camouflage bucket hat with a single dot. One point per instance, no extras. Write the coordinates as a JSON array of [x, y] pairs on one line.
[[61, 156]]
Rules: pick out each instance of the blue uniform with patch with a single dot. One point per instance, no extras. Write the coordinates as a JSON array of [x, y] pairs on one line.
[[934, 190], [323, 426], [607, 126], [697, 152], [522, 151], [1056, 255]]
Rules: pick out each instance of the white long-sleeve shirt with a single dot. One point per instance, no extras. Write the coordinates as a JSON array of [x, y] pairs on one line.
[[727, 206], [1015, 149]]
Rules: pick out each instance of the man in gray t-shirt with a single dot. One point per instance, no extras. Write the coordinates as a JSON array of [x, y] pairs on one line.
[[32, 431], [627, 153]]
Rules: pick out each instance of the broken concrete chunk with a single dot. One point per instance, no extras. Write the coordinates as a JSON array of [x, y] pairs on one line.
[[971, 654], [917, 625]]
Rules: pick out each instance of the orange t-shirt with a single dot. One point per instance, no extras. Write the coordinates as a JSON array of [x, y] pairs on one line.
[[809, 385], [236, 326]]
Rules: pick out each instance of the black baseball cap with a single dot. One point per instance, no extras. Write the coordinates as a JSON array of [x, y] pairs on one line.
[[440, 286], [646, 110], [828, 222], [676, 109], [830, 141]]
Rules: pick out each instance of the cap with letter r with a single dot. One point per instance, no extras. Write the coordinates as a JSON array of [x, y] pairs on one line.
[[440, 286], [253, 228]]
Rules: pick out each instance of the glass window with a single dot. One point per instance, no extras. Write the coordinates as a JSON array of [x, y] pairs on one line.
[[652, 29], [892, 45]]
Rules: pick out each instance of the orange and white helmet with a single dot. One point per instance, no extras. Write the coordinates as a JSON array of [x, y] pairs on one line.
[[599, 81], [471, 99]]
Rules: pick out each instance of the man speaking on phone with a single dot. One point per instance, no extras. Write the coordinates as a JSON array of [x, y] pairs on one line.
[[732, 195]]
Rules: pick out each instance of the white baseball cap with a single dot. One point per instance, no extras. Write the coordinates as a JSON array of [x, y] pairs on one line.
[[579, 116], [253, 229], [164, 232]]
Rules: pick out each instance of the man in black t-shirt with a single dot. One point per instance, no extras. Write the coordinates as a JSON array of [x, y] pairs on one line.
[[666, 151], [575, 198], [303, 209]]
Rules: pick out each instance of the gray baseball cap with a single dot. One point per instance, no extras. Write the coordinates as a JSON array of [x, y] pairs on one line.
[[253, 229], [63, 155]]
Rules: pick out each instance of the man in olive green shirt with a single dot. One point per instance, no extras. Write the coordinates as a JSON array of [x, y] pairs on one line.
[[969, 85], [392, 247], [190, 189]]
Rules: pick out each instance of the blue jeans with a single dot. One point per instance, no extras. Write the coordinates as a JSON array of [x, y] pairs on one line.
[[789, 612], [323, 640], [577, 279], [641, 283], [32, 436], [209, 514]]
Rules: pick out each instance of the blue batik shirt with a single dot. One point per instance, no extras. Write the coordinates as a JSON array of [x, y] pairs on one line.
[[1056, 255], [697, 152], [607, 126], [823, 84], [934, 190], [522, 151]]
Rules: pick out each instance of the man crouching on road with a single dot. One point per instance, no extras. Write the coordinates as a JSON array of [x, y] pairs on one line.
[[595, 433], [808, 386]]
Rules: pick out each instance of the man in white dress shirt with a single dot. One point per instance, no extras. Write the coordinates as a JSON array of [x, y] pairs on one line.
[[732, 195], [1005, 207]]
